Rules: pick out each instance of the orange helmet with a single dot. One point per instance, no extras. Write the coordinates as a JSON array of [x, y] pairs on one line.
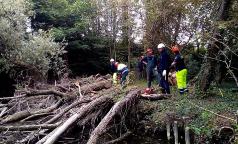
[[175, 49]]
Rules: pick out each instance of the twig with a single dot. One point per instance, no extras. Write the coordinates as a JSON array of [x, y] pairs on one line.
[[231, 119], [124, 136]]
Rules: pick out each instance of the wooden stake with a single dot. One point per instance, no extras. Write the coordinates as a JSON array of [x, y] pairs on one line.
[[168, 130], [175, 132], [187, 136]]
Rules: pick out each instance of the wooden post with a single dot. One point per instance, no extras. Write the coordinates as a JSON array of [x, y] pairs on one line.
[[237, 117], [187, 136], [186, 130], [168, 130], [175, 132]]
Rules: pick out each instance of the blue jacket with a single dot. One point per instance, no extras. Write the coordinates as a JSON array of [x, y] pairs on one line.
[[164, 61], [151, 62]]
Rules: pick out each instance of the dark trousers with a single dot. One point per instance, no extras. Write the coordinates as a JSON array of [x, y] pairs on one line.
[[164, 84], [149, 74], [123, 77]]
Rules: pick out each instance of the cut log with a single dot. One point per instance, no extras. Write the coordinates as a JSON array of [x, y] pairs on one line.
[[26, 113], [47, 92], [10, 98], [36, 115], [154, 97], [84, 90], [128, 101], [28, 127], [56, 117], [85, 109], [96, 86]]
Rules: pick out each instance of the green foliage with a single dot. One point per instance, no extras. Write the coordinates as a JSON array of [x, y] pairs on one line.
[[193, 64], [21, 50]]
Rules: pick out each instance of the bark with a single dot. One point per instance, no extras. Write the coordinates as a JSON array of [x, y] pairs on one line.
[[27, 113], [154, 97], [10, 98], [209, 73], [128, 101], [3, 111], [28, 127], [56, 117], [84, 110]]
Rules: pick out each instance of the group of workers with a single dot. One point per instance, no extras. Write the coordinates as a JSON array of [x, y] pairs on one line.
[[163, 65]]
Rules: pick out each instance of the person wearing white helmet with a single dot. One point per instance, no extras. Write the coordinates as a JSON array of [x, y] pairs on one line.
[[123, 72], [163, 68], [113, 70]]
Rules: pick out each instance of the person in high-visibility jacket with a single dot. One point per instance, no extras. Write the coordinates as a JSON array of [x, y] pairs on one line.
[[123, 71], [114, 71], [181, 70]]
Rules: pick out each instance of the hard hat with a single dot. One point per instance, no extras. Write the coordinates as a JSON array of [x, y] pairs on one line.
[[116, 64], [147, 90], [175, 49], [161, 45], [149, 50], [112, 60]]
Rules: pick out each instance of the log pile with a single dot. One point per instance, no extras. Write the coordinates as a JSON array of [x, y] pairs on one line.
[[81, 110]]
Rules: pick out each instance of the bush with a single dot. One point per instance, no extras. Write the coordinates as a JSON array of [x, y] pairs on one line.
[[23, 51]]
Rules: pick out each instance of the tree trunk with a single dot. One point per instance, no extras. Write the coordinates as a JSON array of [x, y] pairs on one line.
[[208, 69], [102, 127], [86, 109]]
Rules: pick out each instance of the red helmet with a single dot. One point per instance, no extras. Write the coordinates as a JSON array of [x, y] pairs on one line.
[[149, 50], [175, 49], [116, 64], [148, 91]]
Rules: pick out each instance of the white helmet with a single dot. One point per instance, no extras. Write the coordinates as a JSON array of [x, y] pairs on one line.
[[112, 60], [161, 45]]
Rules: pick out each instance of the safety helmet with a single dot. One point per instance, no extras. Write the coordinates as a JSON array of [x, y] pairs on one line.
[[112, 60], [175, 49], [161, 45], [149, 50], [116, 64]]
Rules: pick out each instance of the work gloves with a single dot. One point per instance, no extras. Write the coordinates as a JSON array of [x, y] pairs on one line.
[[164, 73]]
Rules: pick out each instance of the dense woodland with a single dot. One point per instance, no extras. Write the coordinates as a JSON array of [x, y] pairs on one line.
[[48, 42]]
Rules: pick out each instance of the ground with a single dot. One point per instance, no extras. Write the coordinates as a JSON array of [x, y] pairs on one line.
[[200, 109]]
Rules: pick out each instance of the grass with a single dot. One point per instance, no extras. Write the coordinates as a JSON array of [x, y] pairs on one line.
[[220, 100]]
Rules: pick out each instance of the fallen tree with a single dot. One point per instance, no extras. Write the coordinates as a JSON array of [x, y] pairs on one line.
[[85, 109], [102, 127], [28, 127]]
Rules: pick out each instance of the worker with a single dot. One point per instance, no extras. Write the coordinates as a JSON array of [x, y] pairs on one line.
[[114, 71], [123, 72], [150, 61], [181, 70], [163, 68]]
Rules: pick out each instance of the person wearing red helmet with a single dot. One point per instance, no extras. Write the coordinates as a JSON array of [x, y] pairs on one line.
[[150, 61], [181, 70]]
